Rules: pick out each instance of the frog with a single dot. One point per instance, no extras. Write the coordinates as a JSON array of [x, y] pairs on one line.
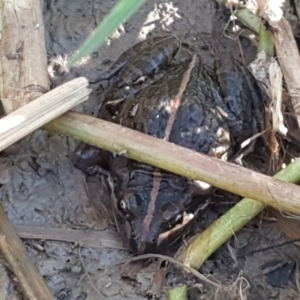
[[190, 108]]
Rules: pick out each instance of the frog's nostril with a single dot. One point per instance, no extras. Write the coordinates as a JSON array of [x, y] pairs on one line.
[[136, 237], [153, 240]]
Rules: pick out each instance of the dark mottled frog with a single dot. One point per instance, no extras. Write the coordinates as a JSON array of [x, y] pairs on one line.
[[189, 108]]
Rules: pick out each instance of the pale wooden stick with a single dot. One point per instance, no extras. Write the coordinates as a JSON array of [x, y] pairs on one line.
[[179, 160], [23, 58], [289, 60], [42, 110], [15, 254]]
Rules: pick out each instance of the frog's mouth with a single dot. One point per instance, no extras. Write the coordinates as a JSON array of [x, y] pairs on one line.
[[153, 233], [163, 241]]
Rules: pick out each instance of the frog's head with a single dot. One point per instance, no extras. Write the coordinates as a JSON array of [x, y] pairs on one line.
[[152, 209]]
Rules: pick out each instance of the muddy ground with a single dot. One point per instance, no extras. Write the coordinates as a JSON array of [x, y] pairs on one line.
[[42, 191]]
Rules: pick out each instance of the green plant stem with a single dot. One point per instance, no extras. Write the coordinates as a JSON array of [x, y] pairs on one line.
[[249, 19], [119, 14], [266, 42], [223, 229], [178, 293]]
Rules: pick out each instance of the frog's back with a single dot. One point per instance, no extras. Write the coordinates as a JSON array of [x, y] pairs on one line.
[[180, 108]]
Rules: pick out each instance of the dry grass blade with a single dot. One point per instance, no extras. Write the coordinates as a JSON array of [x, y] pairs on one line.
[[235, 288], [92, 238], [100, 294], [178, 264], [276, 94]]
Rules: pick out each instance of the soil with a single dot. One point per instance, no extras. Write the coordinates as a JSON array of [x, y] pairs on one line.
[[42, 191]]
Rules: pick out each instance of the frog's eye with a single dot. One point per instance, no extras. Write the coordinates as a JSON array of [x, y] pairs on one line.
[[123, 207], [123, 204]]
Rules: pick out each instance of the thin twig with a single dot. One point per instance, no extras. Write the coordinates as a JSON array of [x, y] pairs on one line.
[[88, 275]]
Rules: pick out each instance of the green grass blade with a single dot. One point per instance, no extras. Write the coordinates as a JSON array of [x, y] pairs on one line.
[[119, 14]]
